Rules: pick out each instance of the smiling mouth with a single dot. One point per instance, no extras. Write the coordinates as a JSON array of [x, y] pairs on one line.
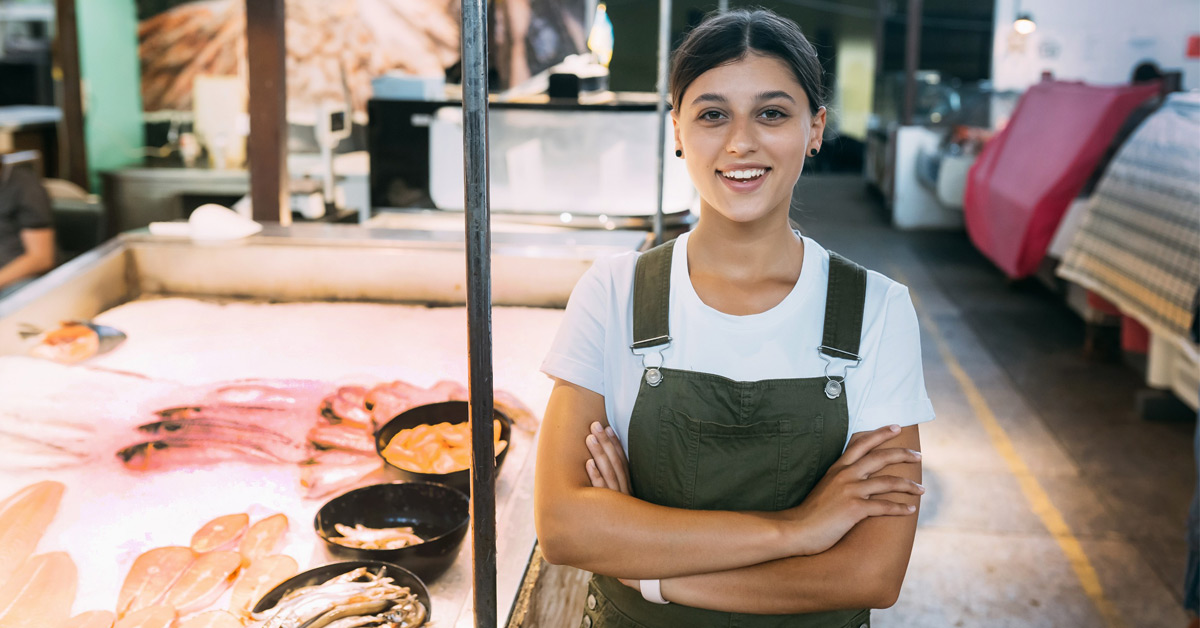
[[749, 174]]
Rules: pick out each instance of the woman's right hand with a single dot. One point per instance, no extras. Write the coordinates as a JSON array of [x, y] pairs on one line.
[[851, 490]]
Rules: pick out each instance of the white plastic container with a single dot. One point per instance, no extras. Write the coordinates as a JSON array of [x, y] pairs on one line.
[[571, 162]]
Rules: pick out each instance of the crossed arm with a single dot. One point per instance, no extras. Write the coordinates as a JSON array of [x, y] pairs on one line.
[[846, 546]]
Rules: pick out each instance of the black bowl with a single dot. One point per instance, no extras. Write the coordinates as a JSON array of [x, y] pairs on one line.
[[399, 575], [432, 414], [437, 513]]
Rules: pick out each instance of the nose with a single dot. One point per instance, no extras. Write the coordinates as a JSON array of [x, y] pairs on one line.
[[742, 138]]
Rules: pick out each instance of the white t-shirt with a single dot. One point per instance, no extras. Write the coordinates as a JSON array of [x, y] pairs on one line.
[[591, 348]]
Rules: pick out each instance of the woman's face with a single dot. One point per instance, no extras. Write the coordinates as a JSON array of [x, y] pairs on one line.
[[744, 129]]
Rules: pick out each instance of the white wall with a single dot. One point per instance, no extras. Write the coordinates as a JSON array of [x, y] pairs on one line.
[[1097, 41]]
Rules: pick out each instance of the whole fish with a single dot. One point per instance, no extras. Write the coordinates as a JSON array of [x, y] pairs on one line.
[[231, 411], [334, 470], [342, 436], [183, 451], [206, 427]]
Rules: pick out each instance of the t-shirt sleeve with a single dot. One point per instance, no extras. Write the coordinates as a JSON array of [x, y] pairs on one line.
[[577, 354], [896, 391], [32, 210]]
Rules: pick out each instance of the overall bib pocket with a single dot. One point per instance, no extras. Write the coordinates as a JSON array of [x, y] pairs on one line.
[[705, 465]]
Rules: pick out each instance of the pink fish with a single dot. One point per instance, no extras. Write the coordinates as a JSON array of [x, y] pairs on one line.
[[204, 581], [151, 575]]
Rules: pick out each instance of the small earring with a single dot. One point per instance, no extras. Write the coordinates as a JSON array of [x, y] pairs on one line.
[[679, 153], [812, 152]]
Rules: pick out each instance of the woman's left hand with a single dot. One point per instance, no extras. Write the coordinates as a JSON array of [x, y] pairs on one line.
[[607, 468]]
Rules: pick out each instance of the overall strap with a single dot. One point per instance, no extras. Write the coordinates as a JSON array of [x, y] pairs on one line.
[[844, 308], [652, 297]]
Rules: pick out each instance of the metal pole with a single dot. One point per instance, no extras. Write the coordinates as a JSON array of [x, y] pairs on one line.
[[267, 148], [479, 309], [664, 52], [912, 57]]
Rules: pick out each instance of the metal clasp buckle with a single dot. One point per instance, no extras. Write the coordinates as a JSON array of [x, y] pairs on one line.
[[833, 383], [653, 373]]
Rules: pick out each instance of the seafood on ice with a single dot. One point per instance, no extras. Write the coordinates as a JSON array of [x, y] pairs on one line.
[[362, 537], [151, 575], [211, 619], [71, 342], [262, 537], [177, 451], [90, 619], [441, 448], [160, 616], [261, 576], [359, 593], [204, 581], [220, 533], [39, 592], [24, 517], [331, 471], [30, 443]]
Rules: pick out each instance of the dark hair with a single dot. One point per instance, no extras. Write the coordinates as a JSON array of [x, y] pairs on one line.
[[1146, 71], [728, 37]]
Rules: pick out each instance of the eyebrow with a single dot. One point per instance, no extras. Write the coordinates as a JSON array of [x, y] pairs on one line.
[[717, 98]]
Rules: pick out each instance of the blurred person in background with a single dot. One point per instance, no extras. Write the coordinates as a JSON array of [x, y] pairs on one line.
[[26, 229]]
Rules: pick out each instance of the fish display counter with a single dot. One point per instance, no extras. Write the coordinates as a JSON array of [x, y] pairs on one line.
[[180, 473]]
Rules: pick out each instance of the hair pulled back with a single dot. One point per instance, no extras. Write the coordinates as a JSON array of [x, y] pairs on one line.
[[728, 37]]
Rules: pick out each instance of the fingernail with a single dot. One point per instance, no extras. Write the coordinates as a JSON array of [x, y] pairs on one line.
[[917, 455], [595, 426], [894, 428], [911, 508], [591, 440], [920, 488]]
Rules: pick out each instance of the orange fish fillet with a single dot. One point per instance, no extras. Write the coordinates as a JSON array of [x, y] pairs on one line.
[[262, 576], [212, 619], [204, 581], [151, 575], [24, 517], [90, 619], [39, 593], [220, 533], [161, 616], [262, 537]]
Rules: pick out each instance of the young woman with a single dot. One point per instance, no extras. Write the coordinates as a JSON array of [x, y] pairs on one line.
[[731, 439]]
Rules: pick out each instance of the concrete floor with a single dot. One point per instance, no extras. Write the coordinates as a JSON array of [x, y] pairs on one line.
[[1030, 438]]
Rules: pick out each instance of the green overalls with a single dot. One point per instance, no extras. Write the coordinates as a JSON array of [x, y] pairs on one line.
[[705, 442]]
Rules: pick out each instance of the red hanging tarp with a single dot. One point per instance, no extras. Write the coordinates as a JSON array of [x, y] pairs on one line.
[[1021, 184]]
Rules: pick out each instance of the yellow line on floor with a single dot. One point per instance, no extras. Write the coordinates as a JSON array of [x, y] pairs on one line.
[[1038, 500]]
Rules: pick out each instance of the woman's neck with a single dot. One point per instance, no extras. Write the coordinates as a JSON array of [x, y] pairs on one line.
[[743, 268], [755, 251]]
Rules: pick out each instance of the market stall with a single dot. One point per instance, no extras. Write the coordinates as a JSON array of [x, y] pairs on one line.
[[303, 313]]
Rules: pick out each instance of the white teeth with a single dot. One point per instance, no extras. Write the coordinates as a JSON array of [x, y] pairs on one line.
[[744, 174]]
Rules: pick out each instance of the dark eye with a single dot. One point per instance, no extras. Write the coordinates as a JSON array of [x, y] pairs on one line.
[[774, 114], [711, 114]]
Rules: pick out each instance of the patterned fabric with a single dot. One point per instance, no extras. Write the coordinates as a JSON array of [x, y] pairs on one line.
[[1139, 242]]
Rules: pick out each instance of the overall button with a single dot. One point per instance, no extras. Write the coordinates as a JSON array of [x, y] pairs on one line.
[[587, 622], [591, 602]]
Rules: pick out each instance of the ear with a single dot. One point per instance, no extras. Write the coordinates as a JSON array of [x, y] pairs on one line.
[[675, 128], [817, 129]]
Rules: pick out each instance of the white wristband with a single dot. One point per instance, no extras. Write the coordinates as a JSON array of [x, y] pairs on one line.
[[652, 591]]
